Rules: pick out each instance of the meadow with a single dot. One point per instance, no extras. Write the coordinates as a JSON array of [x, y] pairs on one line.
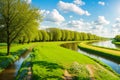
[[50, 61]]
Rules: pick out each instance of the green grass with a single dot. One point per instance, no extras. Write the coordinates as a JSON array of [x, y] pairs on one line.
[[112, 54], [79, 71], [50, 60], [16, 52], [23, 71], [99, 72], [15, 48], [116, 42]]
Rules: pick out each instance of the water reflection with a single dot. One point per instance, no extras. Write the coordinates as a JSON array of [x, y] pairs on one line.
[[114, 65], [72, 46], [107, 44], [10, 72]]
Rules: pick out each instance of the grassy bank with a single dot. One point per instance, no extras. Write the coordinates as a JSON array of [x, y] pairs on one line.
[[115, 42], [23, 71], [16, 51], [112, 54], [50, 60]]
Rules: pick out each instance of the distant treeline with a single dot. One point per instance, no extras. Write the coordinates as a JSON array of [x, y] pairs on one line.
[[54, 34], [117, 38]]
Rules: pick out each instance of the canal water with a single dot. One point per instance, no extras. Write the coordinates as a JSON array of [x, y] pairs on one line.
[[11, 72], [115, 66], [107, 44]]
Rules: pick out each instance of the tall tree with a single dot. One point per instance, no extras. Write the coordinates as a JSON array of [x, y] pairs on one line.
[[56, 33], [16, 17]]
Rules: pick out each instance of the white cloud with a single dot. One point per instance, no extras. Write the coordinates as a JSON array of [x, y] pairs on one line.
[[118, 20], [28, 1], [94, 27], [116, 26], [70, 7], [77, 25], [70, 16], [53, 16], [101, 21], [79, 2], [101, 3]]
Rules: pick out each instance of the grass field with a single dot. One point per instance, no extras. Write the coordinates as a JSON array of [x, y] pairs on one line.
[[50, 60]]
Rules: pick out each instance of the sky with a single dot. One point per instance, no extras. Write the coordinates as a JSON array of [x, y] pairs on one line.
[[100, 17]]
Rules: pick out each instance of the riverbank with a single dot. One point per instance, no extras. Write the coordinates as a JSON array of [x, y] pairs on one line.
[[16, 51], [113, 54], [50, 61], [116, 42]]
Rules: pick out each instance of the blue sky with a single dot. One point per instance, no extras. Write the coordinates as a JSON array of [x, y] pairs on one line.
[[101, 17]]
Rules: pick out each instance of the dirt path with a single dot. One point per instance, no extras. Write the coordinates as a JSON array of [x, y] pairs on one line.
[[67, 76], [91, 71]]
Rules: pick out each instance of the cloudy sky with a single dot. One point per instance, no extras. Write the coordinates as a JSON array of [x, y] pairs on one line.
[[101, 17]]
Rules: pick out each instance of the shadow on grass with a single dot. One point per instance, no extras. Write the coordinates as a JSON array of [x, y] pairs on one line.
[[18, 52], [51, 69], [49, 66]]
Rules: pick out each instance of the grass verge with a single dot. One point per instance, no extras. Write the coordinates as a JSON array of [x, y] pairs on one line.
[[16, 52], [113, 55]]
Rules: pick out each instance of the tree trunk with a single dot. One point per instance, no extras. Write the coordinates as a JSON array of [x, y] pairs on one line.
[[8, 27], [8, 48]]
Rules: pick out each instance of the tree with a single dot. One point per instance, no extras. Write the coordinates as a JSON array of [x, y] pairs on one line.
[[40, 36], [77, 37], [117, 38], [45, 35], [56, 33], [67, 35], [63, 35], [17, 17]]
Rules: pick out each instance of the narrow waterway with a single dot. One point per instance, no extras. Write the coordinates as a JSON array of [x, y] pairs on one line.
[[115, 66], [11, 72]]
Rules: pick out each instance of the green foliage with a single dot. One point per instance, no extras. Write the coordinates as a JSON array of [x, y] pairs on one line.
[[117, 38], [19, 21], [5, 61], [80, 72], [16, 51], [55, 34]]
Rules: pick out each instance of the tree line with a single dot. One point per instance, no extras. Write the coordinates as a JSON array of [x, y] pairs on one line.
[[53, 34], [117, 38], [56, 34]]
